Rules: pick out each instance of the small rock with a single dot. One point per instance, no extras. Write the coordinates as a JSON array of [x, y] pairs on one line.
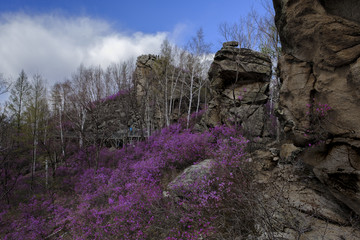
[[231, 44], [287, 129], [274, 151], [288, 152]]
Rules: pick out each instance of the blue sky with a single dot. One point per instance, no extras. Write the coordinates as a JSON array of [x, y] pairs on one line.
[[53, 37]]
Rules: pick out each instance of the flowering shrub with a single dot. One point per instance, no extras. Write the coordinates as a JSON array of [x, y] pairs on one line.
[[123, 198], [318, 110], [318, 114]]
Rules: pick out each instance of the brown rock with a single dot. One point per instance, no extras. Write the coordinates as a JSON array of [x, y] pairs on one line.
[[288, 152], [240, 88], [321, 64], [238, 65], [300, 206], [230, 44], [340, 175]]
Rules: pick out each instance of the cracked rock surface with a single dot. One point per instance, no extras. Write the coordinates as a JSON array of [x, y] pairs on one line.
[[240, 88], [321, 65]]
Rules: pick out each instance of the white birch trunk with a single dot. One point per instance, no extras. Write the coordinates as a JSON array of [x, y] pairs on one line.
[[190, 96]]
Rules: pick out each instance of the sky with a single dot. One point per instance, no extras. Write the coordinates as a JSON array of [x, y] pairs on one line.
[[53, 37]]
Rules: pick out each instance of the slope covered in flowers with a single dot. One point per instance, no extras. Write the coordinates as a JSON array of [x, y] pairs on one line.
[[123, 198]]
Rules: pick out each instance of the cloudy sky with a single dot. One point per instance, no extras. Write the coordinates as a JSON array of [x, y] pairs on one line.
[[53, 37]]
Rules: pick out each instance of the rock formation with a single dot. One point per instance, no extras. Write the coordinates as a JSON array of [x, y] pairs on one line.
[[321, 65], [308, 187], [312, 181], [157, 85], [147, 89], [310, 184], [192, 176], [240, 88]]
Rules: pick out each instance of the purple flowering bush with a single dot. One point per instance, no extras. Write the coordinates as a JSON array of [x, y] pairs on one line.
[[124, 197], [318, 114]]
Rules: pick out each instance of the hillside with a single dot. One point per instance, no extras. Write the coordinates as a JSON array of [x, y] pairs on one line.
[[184, 149]]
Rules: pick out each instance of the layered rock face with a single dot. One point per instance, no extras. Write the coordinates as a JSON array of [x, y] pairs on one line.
[[148, 92], [240, 88], [144, 73], [320, 96], [158, 91]]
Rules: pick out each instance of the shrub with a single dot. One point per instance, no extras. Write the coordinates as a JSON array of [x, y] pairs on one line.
[[124, 199]]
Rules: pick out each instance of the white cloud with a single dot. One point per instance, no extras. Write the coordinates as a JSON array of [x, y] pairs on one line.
[[55, 45], [181, 30]]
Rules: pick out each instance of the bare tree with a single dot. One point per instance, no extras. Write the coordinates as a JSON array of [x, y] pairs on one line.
[[121, 74], [11, 165], [255, 31], [79, 99], [4, 85], [60, 97], [268, 40], [198, 50], [167, 73], [175, 79], [270, 44], [243, 31]]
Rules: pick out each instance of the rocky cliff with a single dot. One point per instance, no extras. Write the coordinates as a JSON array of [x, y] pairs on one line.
[[160, 91], [308, 185], [313, 180], [291, 198], [319, 97]]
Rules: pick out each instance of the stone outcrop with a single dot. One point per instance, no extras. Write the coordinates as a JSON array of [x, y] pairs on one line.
[[157, 80], [148, 90], [300, 206], [192, 176], [240, 88], [144, 73], [321, 65]]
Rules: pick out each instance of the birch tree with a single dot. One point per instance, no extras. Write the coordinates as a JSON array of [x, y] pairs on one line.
[[60, 97], [79, 99], [198, 50]]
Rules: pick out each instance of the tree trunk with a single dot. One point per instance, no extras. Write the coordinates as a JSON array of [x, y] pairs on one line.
[[190, 96]]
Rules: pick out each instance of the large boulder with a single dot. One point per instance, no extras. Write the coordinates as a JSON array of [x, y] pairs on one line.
[[240, 88], [232, 65], [191, 177], [319, 97]]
